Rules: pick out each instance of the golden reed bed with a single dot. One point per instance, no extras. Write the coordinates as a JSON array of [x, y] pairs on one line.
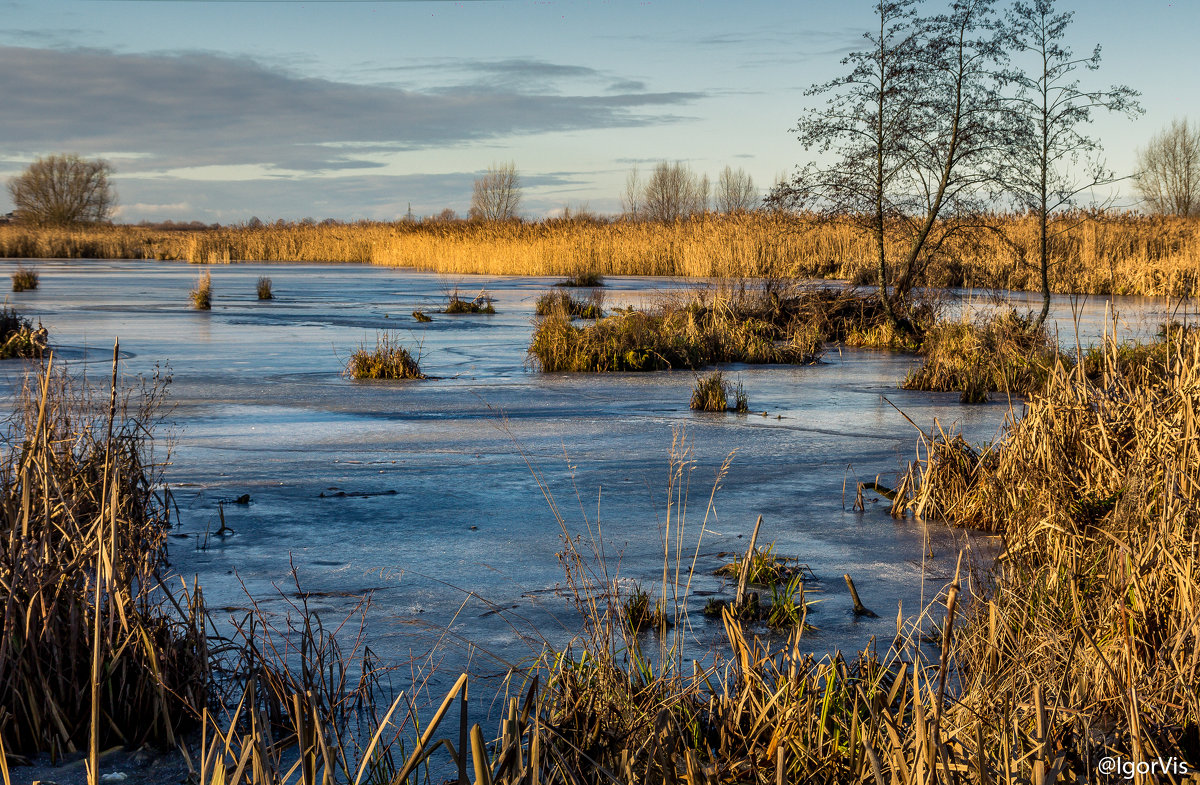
[[1113, 253]]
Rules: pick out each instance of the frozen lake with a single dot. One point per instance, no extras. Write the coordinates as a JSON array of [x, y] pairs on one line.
[[444, 522]]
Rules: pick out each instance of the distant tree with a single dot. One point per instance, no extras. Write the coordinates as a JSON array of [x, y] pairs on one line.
[[497, 194], [63, 189], [735, 191], [673, 191], [447, 214], [1168, 175], [580, 212], [909, 133], [631, 197], [1051, 162]]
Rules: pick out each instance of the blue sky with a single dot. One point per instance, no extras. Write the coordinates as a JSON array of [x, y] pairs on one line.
[[217, 110]]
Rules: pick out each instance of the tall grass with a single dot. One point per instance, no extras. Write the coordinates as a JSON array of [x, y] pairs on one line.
[[1095, 489], [95, 652], [997, 352], [1100, 253], [103, 647], [1081, 645]]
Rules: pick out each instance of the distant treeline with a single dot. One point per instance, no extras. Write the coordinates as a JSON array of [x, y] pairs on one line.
[[1092, 253]]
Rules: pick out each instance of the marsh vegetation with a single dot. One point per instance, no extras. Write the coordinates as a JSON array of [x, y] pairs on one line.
[[713, 393], [1092, 503], [388, 359], [201, 293], [24, 279], [18, 336], [107, 656], [1003, 352], [952, 151], [589, 307], [1092, 253], [583, 279], [480, 303], [692, 332]]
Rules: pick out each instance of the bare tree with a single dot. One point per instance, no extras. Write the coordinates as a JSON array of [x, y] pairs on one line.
[[63, 189], [867, 124], [631, 197], [912, 132], [1168, 176], [735, 191], [1051, 162], [497, 194], [674, 191]]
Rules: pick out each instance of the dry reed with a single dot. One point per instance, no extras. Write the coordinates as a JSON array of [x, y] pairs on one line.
[[95, 652], [201, 293], [1095, 253], [679, 333], [18, 337], [1096, 492], [999, 352], [389, 359], [590, 307], [712, 394], [1083, 644], [24, 279]]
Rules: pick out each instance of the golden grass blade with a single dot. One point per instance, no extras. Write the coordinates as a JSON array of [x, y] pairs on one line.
[[362, 766]]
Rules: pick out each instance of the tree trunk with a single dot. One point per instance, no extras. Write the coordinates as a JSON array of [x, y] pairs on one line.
[[1044, 262]]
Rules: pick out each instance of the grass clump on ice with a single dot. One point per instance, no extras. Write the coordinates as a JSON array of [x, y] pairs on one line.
[[583, 280], [677, 333], [389, 359], [590, 307], [201, 293], [766, 568], [264, 288], [712, 393], [24, 279], [18, 337], [480, 303], [642, 612]]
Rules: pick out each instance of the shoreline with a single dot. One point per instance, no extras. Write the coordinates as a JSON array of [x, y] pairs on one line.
[[1121, 254]]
